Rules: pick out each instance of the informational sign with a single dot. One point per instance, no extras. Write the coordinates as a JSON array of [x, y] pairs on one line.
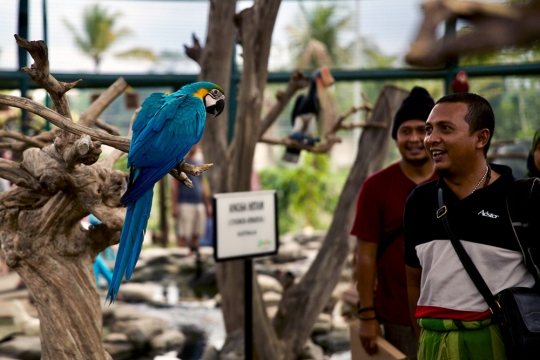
[[245, 225]]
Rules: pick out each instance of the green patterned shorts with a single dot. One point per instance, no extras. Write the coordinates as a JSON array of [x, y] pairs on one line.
[[442, 339]]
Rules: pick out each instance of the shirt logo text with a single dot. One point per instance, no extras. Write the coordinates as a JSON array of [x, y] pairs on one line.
[[488, 214]]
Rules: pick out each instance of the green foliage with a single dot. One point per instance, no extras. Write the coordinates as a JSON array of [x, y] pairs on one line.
[[100, 33], [320, 24], [307, 194], [138, 53]]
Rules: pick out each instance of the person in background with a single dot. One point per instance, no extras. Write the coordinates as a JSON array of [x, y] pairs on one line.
[[533, 161], [378, 226], [191, 207]]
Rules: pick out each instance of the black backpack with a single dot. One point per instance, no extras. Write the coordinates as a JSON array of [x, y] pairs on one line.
[[519, 205]]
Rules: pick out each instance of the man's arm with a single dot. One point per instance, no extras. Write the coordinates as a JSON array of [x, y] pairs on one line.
[[365, 273], [414, 276]]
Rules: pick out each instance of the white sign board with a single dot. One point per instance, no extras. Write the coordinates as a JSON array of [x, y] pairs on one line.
[[245, 224]]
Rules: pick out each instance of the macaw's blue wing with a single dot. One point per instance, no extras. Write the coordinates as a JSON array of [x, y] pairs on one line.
[[164, 131], [161, 140]]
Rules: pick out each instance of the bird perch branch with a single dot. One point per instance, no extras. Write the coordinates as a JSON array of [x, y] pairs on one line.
[[331, 137], [297, 81], [65, 123]]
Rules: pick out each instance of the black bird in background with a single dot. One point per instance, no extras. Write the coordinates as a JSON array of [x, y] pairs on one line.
[[306, 112]]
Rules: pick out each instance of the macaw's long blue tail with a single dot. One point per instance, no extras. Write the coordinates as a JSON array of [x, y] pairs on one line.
[[131, 241]]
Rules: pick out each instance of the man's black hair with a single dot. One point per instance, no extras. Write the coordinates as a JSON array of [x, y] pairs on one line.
[[479, 113]]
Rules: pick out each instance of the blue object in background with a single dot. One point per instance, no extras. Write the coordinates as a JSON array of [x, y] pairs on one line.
[[101, 268], [208, 238], [93, 220], [100, 265]]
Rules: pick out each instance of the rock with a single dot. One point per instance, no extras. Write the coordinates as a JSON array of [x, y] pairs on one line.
[[313, 245], [286, 238], [233, 349], [269, 283], [22, 320], [171, 355], [287, 252], [311, 351], [186, 265], [150, 273], [171, 339], [337, 294], [157, 255], [207, 278], [210, 353], [323, 324], [207, 254], [338, 321], [137, 292], [195, 338], [119, 312], [271, 311], [122, 350], [141, 331], [334, 341], [179, 252], [217, 299], [271, 298], [116, 338], [22, 347], [346, 275], [310, 236]]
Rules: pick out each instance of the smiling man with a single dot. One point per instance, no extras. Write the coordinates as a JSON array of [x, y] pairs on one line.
[[454, 319], [378, 226]]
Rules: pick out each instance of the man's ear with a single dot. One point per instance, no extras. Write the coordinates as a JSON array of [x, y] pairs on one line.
[[482, 138]]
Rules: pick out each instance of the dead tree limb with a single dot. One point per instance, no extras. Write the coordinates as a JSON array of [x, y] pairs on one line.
[[331, 137], [297, 81], [6, 133], [65, 123], [90, 116], [39, 72], [195, 51], [20, 146], [494, 26]]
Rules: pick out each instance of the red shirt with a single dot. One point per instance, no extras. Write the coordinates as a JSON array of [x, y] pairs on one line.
[[379, 219]]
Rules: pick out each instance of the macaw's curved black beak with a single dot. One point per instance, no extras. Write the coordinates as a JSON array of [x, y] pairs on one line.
[[217, 108]]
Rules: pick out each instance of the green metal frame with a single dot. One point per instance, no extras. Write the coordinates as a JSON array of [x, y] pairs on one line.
[[10, 80]]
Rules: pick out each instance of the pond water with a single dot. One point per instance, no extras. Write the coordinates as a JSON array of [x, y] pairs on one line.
[[202, 323], [189, 306]]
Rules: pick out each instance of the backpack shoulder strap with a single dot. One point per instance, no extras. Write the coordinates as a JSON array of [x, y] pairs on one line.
[[518, 204]]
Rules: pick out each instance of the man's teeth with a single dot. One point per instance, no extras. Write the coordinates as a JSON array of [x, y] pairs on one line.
[[436, 153]]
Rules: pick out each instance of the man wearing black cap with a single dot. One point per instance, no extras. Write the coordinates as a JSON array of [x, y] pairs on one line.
[[378, 226]]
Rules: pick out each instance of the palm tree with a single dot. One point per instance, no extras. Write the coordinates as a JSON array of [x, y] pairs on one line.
[[99, 32], [321, 25]]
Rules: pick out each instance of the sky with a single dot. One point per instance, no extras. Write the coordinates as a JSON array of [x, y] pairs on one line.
[[168, 25]]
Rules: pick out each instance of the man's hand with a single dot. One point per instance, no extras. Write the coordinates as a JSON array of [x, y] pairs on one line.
[[369, 330]]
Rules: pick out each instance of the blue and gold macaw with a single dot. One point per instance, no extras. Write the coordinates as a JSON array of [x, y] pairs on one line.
[[166, 128]]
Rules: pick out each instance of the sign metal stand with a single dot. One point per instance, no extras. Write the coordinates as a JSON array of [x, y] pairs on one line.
[[245, 226]]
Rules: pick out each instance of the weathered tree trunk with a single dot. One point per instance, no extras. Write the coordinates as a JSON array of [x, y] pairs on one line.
[[40, 231], [44, 242], [234, 162]]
